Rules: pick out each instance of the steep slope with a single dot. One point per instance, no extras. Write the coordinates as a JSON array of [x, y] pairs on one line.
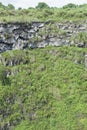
[[43, 89]]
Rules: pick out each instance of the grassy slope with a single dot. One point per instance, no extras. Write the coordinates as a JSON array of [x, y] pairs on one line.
[[49, 92]]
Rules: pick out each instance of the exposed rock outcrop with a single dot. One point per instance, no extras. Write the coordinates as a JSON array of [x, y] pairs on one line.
[[38, 34]]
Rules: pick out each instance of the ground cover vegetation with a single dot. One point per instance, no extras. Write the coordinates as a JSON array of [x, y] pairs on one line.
[[47, 90]]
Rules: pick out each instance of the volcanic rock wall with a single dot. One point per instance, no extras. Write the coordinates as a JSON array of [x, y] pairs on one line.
[[38, 34]]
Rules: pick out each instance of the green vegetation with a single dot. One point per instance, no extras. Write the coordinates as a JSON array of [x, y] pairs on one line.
[[47, 89], [4, 80], [80, 37], [70, 5], [43, 12], [42, 5]]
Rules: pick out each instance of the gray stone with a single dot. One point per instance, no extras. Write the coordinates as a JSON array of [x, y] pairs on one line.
[[41, 25], [17, 35], [81, 44], [86, 60]]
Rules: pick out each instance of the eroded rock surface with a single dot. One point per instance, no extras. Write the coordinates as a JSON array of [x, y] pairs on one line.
[[38, 34]]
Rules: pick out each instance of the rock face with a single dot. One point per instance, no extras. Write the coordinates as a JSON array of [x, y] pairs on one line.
[[38, 34]]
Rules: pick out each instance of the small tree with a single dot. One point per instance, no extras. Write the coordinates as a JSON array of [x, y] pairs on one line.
[[42, 5], [2, 6], [11, 7], [70, 5], [19, 8]]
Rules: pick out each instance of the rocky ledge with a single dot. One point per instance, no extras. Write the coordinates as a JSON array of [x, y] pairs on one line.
[[39, 34]]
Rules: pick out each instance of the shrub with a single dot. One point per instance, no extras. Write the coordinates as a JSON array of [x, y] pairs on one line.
[[42, 5], [3, 76]]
